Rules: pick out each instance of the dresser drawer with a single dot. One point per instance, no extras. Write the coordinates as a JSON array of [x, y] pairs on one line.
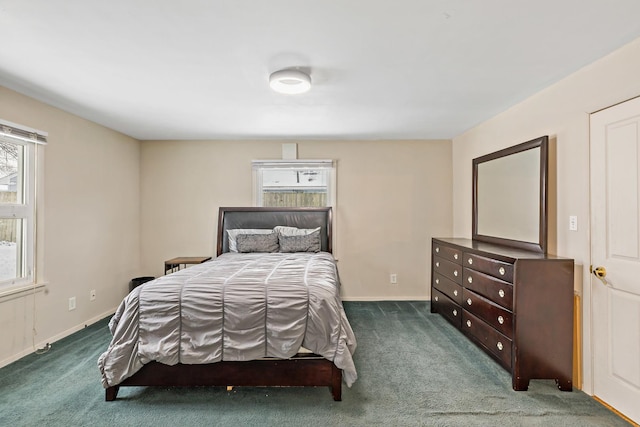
[[490, 312], [494, 289], [448, 287], [493, 267], [447, 252], [448, 269], [447, 308], [496, 343]]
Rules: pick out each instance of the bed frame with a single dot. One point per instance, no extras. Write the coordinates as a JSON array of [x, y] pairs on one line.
[[301, 370]]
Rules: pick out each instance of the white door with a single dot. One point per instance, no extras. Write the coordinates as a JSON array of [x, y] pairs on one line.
[[615, 246]]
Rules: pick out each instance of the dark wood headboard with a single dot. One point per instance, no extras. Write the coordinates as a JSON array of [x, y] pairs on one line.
[[260, 217]]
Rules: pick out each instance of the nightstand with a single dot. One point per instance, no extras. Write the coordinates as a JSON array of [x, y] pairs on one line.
[[176, 264]]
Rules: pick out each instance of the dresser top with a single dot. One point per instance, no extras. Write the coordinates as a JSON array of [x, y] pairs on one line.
[[495, 249]]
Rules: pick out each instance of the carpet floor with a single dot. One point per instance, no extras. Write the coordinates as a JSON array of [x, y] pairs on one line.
[[414, 370]]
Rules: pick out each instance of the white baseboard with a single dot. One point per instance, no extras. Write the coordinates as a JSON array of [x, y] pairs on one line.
[[57, 337]]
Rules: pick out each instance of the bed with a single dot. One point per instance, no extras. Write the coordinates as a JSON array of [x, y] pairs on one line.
[[200, 326]]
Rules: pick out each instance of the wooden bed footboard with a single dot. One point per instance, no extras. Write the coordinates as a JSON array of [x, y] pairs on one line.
[[298, 372]]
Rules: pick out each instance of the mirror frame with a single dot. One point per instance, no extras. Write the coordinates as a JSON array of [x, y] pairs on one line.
[[541, 244]]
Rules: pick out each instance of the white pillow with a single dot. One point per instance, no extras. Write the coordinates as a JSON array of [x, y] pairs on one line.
[[294, 231], [233, 245]]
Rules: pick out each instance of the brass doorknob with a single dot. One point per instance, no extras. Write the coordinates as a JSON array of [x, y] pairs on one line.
[[600, 272]]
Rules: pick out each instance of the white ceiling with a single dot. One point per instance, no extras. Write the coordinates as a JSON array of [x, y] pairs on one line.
[[381, 69]]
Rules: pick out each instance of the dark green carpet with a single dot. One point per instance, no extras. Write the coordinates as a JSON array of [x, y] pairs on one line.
[[414, 369]]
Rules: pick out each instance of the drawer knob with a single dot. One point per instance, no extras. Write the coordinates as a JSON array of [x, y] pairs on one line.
[[469, 301], [501, 293], [455, 292], [470, 260], [501, 271], [455, 256], [499, 345], [436, 298], [468, 323], [455, 273], [455, 312], [500, 320], [437, 281], [437, 249], [437, 264], [470, 279]]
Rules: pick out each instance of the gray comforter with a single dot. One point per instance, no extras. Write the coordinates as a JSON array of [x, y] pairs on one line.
[[235, 307]]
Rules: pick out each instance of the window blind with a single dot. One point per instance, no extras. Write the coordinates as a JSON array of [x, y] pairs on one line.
[[13, 131], [292, 164]]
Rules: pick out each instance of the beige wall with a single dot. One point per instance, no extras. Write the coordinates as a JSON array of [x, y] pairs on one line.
[[88, 226], [562, 112], [393, 196]]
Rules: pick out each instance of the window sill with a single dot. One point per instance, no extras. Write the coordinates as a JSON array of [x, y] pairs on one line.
[[16, 291]]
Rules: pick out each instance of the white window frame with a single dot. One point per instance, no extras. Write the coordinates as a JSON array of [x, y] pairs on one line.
[[258, 166], [25, 208]]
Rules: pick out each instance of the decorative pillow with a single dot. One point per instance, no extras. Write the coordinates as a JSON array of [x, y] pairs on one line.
[[257, 242], [302, 243], [235, 232], [283, 230]]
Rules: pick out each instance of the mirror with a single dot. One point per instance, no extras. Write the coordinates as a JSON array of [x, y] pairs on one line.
[[510, 196]]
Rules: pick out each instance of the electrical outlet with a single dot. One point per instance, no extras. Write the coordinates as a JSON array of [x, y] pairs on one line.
[[72, 303], [92, 295], [573, 223], [393, 278]]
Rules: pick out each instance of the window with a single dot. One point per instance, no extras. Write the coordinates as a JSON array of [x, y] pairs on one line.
[[17, 202], [294, 183]]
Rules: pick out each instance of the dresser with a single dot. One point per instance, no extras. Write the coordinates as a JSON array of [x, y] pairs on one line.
[[516, 305]]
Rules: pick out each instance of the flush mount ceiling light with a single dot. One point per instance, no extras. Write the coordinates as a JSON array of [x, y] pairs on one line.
[[290, 81]]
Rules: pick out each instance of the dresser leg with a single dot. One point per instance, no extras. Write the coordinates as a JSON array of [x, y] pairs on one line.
[[520, 384], [564, 384]]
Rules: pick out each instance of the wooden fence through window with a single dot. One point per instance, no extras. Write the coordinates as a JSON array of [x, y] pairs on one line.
[[8, 226], [289, 199]]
